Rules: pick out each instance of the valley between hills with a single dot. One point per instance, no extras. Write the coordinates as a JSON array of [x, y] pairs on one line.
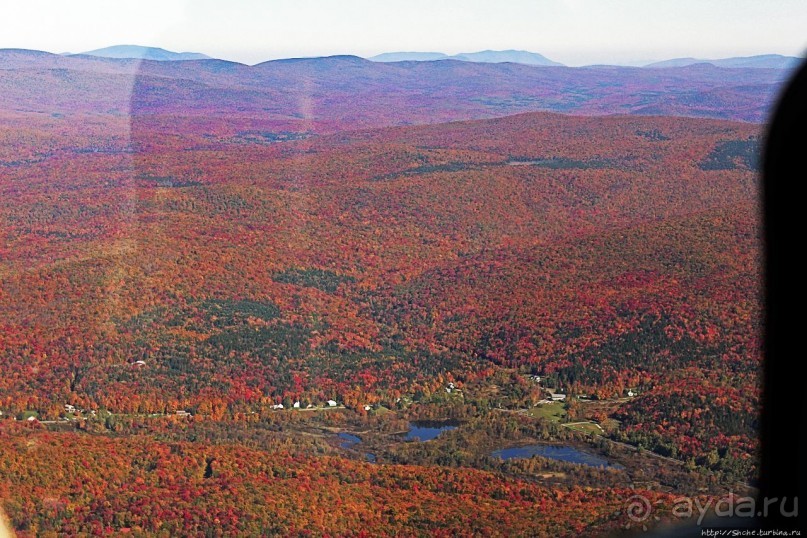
[[231, 294]]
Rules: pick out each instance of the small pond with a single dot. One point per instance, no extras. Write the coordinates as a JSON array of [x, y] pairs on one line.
[[349, 440], [426, 430]]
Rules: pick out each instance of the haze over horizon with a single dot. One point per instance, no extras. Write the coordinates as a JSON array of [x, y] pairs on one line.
[[130, 51], [573, 32]]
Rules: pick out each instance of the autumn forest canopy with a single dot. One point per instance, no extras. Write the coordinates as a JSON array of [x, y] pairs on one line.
[[539, 255]]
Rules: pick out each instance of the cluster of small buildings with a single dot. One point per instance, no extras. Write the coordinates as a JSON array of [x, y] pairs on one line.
[[328, 404], [553, 395], [73, 409], [298, 405]]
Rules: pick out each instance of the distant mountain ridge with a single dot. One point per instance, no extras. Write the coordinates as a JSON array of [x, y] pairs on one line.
[[485, 56], [144, 53], [762, 61], [341, 92]]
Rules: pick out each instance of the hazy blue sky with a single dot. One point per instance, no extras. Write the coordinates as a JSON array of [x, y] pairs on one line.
[[574, 32]]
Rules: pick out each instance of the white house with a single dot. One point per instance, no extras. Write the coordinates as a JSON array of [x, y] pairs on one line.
[[296, 405], [139, 363], [331, 403], [558, 397], [277, 406], [631, 394], [31, 419], [366, 407], [69, 408]]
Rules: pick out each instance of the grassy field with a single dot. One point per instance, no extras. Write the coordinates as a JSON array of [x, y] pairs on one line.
[[587, 427], [551, 411]]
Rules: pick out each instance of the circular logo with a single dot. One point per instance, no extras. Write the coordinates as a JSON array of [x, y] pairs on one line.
[[638, 508]]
